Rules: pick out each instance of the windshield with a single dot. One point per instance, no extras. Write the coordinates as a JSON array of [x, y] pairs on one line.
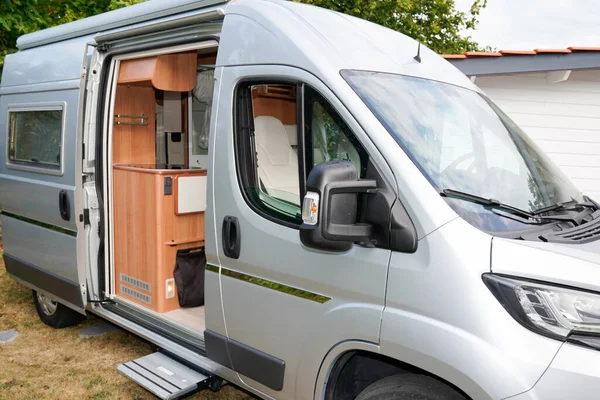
[[460, 140]]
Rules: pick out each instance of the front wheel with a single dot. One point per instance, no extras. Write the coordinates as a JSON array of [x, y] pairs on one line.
[[55, 314], [409, 387]]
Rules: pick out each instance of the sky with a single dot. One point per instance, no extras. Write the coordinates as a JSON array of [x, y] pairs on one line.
[[531, 24]]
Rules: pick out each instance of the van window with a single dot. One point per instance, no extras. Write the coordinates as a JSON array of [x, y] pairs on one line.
[[271, 166], [267, 150], [460, 140], [35, 137], [329, 137]]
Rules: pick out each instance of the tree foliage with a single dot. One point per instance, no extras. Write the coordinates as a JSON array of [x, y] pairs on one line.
[[435, 23], [18, 17]]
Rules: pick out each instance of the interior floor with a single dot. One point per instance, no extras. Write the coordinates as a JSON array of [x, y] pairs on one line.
[[191, 318]]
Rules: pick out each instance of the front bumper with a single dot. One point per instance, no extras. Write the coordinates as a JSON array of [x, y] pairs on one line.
[[574, 374]]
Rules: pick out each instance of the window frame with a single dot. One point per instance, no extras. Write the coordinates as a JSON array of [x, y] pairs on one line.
[[31, 166], [237, 110], [304, 143]]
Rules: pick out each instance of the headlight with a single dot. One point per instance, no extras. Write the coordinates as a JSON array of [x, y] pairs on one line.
[[550, 310]]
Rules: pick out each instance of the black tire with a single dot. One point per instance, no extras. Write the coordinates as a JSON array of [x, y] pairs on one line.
[[61, 317], [409, 387]]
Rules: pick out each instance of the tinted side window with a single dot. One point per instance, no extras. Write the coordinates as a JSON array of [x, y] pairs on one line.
[[327, 136], [35, 138], [267, 151]]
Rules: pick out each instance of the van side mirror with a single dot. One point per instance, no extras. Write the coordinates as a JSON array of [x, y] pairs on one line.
[[330, 207]]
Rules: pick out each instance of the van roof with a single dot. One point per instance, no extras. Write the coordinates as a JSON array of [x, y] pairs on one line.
[[111, 20]]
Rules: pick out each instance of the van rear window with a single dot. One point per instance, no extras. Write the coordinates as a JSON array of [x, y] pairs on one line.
[[35, 137]]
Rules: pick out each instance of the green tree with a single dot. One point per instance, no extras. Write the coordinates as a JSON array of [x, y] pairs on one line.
[[18, 17], [435, 23]]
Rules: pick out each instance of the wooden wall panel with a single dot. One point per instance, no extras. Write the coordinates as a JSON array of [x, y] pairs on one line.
[[284, 110], [135, 144], [135, 229]]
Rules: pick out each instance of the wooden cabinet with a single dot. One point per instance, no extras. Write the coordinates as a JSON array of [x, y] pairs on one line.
[[172, 72], [148, 230]]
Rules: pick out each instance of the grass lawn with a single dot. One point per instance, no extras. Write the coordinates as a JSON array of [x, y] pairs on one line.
[[45, 363]]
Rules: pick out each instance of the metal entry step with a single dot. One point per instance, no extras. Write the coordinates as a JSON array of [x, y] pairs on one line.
[[163, 376]]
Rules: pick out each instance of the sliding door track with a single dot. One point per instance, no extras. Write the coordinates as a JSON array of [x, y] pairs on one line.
[[155, 325]]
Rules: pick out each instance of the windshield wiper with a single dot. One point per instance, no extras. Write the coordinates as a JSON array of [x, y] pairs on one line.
[[492, 203], [558, 206], [567, 205]]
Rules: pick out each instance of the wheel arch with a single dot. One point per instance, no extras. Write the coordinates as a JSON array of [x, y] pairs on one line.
[[351, 367]]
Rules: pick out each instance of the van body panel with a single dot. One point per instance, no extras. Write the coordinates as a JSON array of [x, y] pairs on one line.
[[31, 191], [353, 282], [40, 202], [214, 318], [45, 282], [45, 248], [573, 364], [571, 265], [34, 199], [138, 13], [461, 332], [325, 42], [280, 45], [39, 65]]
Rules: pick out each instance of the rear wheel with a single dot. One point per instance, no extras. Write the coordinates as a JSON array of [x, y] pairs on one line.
[[55, 314], [409, 387]]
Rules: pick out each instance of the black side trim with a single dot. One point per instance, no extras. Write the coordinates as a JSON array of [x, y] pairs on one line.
[[51, 283], [248, 361], [254, 364], [216, 348], [155, 325], [40, 224]]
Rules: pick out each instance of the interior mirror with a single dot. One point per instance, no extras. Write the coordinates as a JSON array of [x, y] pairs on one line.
[[330, 209]]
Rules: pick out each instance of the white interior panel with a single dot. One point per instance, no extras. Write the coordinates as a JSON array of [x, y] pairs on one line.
[[191, 194]]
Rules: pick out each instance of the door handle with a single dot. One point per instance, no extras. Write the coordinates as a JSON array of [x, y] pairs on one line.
[[231, 237], [64, 205]]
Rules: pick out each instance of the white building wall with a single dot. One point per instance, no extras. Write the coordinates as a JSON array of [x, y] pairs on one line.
[[563, 118]]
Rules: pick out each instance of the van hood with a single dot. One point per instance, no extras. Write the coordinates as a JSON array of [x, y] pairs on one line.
[[576, 265]]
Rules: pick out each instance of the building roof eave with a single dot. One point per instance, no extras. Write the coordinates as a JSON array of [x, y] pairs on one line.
[[527, 63]]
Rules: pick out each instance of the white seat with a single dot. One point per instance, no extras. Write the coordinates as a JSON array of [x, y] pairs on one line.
[[277, 160], [292, 132]]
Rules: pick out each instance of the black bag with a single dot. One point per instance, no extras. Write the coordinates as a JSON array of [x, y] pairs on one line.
[[190, 265]]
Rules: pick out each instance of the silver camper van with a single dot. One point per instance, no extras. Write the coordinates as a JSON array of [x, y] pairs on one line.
[[298, 202]]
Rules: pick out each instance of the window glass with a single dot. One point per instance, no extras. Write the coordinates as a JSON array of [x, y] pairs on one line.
[[329, 137], [267, 149], [201, 106], [35, 138], [460, 140]]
